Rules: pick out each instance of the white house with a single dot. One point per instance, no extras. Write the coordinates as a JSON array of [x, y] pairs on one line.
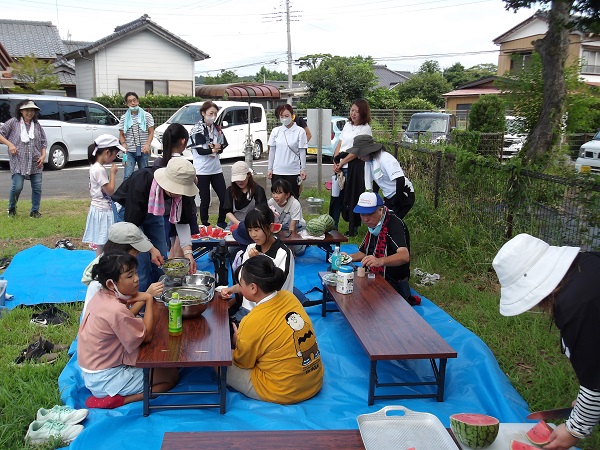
[[139, 56]]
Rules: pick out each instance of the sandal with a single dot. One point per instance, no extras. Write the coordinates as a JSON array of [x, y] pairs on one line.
[[4, 262], [64, 243], [36, 352]]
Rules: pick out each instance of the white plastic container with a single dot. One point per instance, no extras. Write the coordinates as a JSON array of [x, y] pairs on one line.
[[3, 284], [345, 280]]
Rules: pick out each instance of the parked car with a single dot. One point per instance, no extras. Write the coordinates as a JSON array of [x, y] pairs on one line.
[[232, 118], [433, 126], [514, 137], [337, 124], [589, 156], [71, 125]]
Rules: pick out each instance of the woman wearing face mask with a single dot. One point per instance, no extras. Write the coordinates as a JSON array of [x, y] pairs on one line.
[[385, 249], [207, 141], [287, 151]]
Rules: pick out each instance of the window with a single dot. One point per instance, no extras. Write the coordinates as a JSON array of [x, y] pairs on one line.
[[148, 87], [101, 116], [256, 114], [74, 113], [519, 61], [591, 61], [5, 111], [48, 109]]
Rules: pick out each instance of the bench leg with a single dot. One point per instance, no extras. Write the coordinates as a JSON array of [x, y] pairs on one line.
[[146, 392], [441, 379], [372, 382], [223, 388]]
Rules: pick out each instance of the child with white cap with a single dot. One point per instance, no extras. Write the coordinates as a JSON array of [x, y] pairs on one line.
[[563, 282], [102, 151]]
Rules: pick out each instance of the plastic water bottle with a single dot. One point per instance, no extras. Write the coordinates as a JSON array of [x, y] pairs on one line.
[[3, 284], [335, 259]]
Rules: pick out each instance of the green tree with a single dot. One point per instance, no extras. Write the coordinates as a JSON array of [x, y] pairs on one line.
[[225, 77], [312, 61], [34, 75], [488, 114], [417, 104], [383, 98], [430, 66], [457, 75], [424, 85], [337, 81], [266, 74], [562, 16]]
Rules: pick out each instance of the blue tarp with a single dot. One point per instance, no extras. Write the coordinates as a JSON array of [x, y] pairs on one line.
[[474, 381]]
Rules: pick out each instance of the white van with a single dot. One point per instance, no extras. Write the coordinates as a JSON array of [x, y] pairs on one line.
[[232, 118], [589, 156], [71, 125], [432, 126]]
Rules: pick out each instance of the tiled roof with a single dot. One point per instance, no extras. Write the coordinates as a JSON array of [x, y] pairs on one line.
[[75, 45], [472, 91], [135, 26], [389, 78], [23, 37]]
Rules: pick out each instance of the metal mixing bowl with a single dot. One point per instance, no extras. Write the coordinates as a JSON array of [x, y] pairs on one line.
[[203, 280], [182, 269], [190, 307]]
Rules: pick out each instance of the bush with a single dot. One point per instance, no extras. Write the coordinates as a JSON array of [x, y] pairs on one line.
[[488, 115], [149, 101]]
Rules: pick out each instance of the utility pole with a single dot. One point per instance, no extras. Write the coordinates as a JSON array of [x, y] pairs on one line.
[[289, 48]]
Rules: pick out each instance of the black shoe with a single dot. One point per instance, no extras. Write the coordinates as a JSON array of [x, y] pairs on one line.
[[35, 214], [51, 316], [37, 352], [12, 212]]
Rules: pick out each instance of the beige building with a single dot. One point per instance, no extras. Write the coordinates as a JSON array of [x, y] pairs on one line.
[[516, 47]]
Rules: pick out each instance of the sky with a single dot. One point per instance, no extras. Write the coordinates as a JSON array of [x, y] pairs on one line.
[[243, 35]]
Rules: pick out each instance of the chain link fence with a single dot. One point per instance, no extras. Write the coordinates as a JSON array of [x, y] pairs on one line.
[[503, 202]]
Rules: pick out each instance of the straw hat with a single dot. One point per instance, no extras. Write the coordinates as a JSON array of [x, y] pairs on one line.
[[29, 105], [178, 177], [529, 270]]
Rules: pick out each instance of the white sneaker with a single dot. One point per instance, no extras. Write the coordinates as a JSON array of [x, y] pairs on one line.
[[62, 414], [42, 432]]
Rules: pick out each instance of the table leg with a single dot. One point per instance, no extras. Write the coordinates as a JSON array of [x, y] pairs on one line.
[[442, 375], [372, 380], [324, 302], [223, 388], [146, 392]]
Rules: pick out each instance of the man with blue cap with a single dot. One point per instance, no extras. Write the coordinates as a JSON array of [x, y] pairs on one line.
[[385, 249]]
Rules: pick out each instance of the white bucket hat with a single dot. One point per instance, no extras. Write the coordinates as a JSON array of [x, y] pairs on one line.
[[529, 270], [178, 177]]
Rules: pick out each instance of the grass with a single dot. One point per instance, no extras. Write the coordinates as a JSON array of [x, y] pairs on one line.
[[526, 346]]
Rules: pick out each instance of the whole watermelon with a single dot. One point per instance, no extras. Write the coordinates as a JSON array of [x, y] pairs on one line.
[[315, 227], [475, 430], [327, 221]]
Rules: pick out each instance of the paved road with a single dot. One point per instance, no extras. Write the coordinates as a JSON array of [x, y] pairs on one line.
[[72, 181]]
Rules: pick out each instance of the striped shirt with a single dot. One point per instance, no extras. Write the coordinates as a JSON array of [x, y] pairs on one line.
[[135, 136]]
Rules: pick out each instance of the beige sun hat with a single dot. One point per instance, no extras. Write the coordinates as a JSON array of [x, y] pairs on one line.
[[29, 105], [128, 233], [529, 270], [178, 177]]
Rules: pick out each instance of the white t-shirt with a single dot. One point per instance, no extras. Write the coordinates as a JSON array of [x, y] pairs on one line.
[[284, 215], [287, 150], [284, 259], [384, 171], [207, 164], [349, 132], [98, 178]]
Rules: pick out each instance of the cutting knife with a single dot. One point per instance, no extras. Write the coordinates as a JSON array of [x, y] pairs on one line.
[[560, 413]]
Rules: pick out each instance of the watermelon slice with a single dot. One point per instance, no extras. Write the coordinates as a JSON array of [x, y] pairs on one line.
[[276, 227], [475, 430], [516, 445], [203, 232], [540, 433]]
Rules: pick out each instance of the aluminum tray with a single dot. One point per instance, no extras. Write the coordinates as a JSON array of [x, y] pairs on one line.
[[423, 431]]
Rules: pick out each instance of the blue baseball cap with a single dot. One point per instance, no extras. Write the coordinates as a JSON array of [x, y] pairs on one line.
[[368, 202]]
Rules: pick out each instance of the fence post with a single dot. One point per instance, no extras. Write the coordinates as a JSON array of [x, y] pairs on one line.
[[438, 175]]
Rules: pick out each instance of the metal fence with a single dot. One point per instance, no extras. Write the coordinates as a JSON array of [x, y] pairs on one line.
[[503, 202]]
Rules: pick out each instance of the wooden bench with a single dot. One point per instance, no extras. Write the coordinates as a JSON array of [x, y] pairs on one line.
[[388, 328]]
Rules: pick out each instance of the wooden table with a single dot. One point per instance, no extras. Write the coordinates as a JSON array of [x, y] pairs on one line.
[[205, 341], [388, 328], [278, 439], [202, 246]]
